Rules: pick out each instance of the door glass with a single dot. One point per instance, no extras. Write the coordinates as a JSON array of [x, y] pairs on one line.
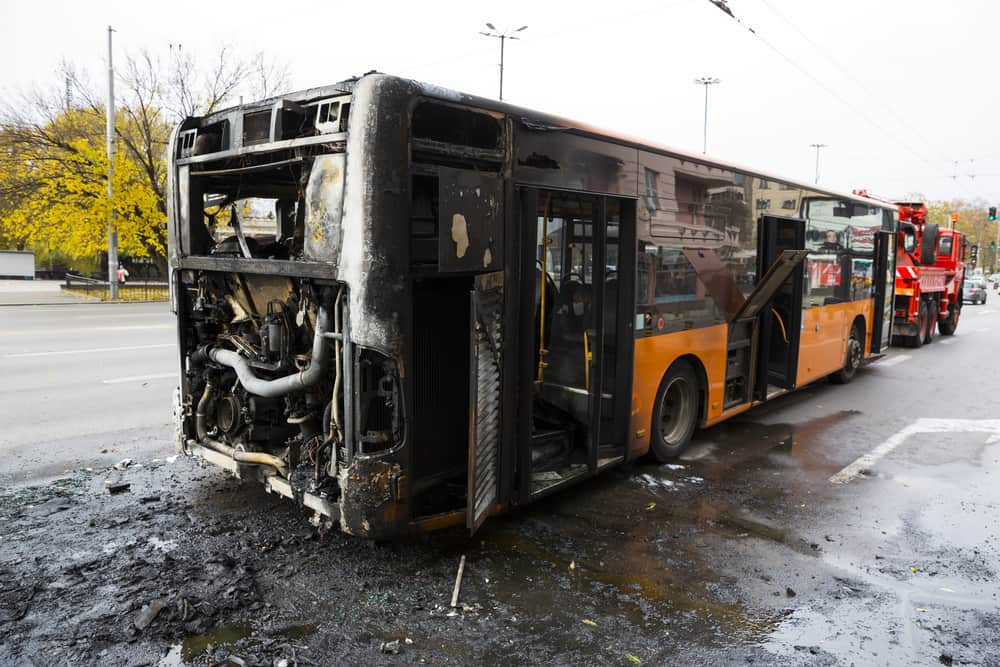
[[890, 286], [565, 252], [611, 306]]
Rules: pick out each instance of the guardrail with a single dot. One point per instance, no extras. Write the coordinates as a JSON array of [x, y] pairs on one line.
[[135, 290]]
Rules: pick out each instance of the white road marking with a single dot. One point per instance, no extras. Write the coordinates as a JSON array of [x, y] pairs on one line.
[[140, 378], [90, 351], [61, 330], [980, 330], [948, 341], [892, 361], [923, 425], [985, 311]]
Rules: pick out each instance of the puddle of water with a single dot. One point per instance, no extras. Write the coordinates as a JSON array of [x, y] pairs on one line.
[[732, 445], [196, 645], [645, 577], [225, 635], [805, 631]]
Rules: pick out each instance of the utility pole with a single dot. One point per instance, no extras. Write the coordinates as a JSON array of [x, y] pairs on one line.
[[996, 250], [817, 147], [112, 232], [503, 37], [706, 81]]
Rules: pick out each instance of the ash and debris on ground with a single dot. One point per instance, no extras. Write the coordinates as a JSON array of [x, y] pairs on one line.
[[185, 565]]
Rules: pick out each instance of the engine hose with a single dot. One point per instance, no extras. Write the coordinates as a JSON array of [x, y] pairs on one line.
[[327, 412], [284, 385], [201, 412]]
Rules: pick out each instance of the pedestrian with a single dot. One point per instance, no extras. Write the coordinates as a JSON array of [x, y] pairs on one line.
[[122, 273]]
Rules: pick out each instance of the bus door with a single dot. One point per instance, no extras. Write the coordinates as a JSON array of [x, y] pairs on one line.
[[883, 289], [578, 259], [781, 318]]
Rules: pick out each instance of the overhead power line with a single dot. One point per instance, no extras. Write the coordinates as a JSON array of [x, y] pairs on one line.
[[724, 7], [848, 75]]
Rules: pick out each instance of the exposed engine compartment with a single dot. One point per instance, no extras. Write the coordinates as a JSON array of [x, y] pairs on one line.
[[264, 376]]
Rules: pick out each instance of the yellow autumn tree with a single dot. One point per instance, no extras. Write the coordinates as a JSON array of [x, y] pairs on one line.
[[53, 185], [53, 164]]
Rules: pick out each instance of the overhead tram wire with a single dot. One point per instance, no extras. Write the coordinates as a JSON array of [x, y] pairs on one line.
[[722, 6], [601, 21], [843, 70]]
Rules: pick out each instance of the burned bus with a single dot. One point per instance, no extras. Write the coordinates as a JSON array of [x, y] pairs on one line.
[[406, 308]]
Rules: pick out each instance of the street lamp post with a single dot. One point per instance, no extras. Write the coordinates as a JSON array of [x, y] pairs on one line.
[[503, 37], [817, 147], [112, 232], [706, 81]]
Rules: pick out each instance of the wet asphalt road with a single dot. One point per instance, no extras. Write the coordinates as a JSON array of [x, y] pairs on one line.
[[744, 551]]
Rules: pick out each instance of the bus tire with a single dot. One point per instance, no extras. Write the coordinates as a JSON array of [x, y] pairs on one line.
[[854, 353], [675, 414], [948, 325]]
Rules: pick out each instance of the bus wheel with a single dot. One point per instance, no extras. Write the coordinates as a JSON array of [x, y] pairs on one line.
[[676, 413], [947, 326], [852, 359]]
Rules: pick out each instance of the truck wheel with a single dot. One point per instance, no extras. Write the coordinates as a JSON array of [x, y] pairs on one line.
[[932, 317], [676, 413], [852, 359], [947, 326], [918, 339]]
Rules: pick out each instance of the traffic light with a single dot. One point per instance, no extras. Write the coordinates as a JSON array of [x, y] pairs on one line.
[[993, 212], [974, 254], [993, 245]]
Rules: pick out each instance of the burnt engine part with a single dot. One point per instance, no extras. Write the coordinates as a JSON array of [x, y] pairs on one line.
[[281, 386], [229, 414]]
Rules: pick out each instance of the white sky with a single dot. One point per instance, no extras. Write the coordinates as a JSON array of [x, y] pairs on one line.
[[913, 83]]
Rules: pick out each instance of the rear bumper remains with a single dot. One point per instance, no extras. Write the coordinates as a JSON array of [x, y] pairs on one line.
[[272, 483]]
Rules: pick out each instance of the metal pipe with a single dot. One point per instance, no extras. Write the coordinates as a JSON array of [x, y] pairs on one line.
[[239, 456], [283, 385], [338, 368], [201, 412]]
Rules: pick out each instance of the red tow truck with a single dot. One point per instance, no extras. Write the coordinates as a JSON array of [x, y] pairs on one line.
[[930, 271]]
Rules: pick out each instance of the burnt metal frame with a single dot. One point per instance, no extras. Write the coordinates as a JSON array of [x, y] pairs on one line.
[[514, 323], [599, 235], [525, 306], [628, 254]]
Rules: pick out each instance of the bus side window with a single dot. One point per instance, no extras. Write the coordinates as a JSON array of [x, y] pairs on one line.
[[675, 298]]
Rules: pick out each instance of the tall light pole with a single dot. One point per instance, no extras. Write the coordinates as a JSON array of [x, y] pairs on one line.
[[706, 81], [112, 233], [817, 147], [503, 37]]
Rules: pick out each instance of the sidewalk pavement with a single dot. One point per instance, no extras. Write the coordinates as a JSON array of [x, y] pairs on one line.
[[36, 292]]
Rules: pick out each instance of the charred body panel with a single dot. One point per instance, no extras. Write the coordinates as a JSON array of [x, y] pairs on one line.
[[292, 338]]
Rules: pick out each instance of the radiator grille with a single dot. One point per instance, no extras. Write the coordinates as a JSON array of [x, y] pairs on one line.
[[486, 418]]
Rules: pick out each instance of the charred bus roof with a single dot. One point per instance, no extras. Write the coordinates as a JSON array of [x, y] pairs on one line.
[[311, 116]]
